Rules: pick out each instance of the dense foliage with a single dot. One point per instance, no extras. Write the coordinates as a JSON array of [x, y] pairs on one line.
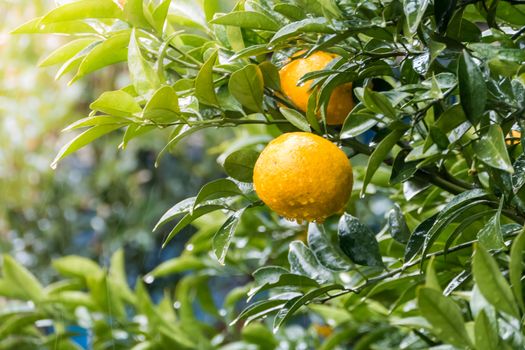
[[440, 88]]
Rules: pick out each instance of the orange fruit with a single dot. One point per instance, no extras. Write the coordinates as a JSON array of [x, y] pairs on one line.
[[302, 176], [513, 137], [341, 101]]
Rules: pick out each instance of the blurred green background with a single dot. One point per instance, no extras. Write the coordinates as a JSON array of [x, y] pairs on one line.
[[96, 201]]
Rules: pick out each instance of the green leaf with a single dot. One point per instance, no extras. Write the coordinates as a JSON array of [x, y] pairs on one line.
[[248, 20], [443, 11], [180, 208], [357, 122], [379, 154], [118, 103], [358, 242], [378, 103], [239, 164], [177, 265], [82, 140], [134, 13], [490, 235], [83, 9], [516, 267], [431, 279], [291, 307], [20, 278], [414, 11], [324, 250], [98, 120], [491, 149], [270, 75], [485, 333], [472, 88], [417, 238], [111, 51], [143, 76], [444, 316], [303, 262], [491, 282], [163, 106], [77, 266], [309, 25], [71, 27], [188, 219], [223, 237], [247, 86], [204, 86], [295, 118], [397, 225], [259, 308], [66, 52], [219, 188]]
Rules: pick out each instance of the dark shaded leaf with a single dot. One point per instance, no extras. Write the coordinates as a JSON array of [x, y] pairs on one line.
[[358, 242]]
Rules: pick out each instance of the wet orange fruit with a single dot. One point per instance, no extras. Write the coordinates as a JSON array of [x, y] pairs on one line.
[[302, 176], [341, 101]]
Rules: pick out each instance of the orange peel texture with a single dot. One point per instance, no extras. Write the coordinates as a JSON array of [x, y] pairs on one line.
[[302, 176]]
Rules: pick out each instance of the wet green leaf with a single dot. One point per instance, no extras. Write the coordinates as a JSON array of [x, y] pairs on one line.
[[472, 88], [325, 251], [491, 149], [358, 242], [223, 237]]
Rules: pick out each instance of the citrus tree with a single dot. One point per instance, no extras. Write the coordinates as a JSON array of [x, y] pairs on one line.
[[332, 104]]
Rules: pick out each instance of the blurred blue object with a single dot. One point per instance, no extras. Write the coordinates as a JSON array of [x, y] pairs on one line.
[[81, 336]]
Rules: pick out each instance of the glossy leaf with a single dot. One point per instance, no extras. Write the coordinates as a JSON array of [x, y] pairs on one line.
[[397, 225], [66, 52], [223, 237], [303, 262], [414, 11], [491, 149], [219, 188], [204, 86], [316, 25], [144, 78], [295, 118], [472, 88], [486, 333], [444, 316], [417, 238], [82, 140], [325, 251], [491, 282], [239, 164], [163, 105], [293, 305], [381, 152], [117, 103], [516, 268], [247, 86], [83, 9], [490, 235], [358, 242], [248, 20]]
